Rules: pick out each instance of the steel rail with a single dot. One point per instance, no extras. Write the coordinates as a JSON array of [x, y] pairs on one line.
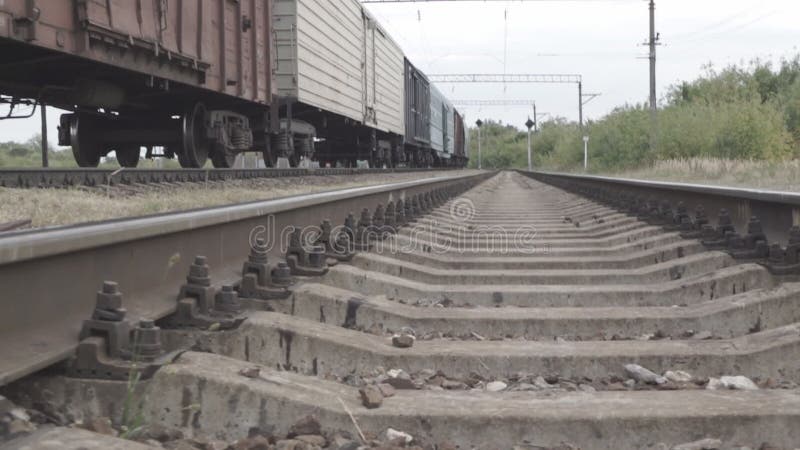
[[49, 277], [31, 178], [778, 211]]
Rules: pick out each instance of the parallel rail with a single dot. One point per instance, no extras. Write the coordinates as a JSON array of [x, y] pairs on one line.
[[56, 178], [777, 211], [50, 277]]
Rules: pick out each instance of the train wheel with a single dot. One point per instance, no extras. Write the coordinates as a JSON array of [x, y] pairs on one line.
[[221, 158], [128, 155], [195, 144], [86, 148]]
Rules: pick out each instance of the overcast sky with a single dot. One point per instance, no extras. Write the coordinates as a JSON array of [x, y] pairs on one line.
[[601, 39]]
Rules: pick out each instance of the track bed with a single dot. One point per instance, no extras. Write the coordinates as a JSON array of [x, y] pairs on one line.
[[513, 315]]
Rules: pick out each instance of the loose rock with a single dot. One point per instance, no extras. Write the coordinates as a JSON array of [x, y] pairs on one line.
[[643, 375], [371, 396], [738, 383], [403, 340], [702, 335], [386, 390], [496, 386], [704, 444], [541, 383], [678, 376], [250, 372], [399, 379], [19, 414], [306, 425], [392, 434]]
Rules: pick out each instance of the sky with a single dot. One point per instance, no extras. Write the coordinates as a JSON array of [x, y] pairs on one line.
[[603, 40]]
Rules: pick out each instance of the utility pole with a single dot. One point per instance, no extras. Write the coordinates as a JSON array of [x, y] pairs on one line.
[[535, 119], [580, 103], [653, 42]]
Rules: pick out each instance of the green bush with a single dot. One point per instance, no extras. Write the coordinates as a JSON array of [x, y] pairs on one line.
[[741, 113]]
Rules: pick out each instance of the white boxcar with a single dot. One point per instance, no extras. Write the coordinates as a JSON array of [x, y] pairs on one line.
[[441, 124], [333, 55]]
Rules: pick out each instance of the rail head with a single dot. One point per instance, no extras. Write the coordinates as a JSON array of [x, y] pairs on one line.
[[50, 276]]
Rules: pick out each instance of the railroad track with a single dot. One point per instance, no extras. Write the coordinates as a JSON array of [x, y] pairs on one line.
[[508, 313], [58, 178]]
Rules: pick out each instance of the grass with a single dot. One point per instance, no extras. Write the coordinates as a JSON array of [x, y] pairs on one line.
[[780, 176], [52, 207]]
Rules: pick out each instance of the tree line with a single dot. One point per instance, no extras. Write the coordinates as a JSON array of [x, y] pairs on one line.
[[744, 112]]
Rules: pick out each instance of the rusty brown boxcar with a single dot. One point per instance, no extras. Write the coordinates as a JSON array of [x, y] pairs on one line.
[[191, 78]]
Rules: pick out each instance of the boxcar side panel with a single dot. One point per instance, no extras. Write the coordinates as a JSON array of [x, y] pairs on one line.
[[219, 45], [388, 84], [437, 118], [417, 96], [334, 56], [320, 54]]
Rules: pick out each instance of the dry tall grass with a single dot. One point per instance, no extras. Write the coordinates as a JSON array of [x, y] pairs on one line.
[[781, 176], [51, 207]]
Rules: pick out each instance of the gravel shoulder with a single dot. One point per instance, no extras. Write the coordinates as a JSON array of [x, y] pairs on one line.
[[54, 207]]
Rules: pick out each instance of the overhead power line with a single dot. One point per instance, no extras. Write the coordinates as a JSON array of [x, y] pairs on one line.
[[497, 102], [505, 78], [567, 78], [483, 1]]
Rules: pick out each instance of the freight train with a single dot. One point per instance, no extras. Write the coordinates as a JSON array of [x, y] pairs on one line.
[[199, 80]]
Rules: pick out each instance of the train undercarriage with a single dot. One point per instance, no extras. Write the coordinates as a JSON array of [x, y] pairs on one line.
[[200, 135]]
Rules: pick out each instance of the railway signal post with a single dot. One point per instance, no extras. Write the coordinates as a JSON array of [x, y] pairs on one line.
[[479, 123], [530, 123]]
